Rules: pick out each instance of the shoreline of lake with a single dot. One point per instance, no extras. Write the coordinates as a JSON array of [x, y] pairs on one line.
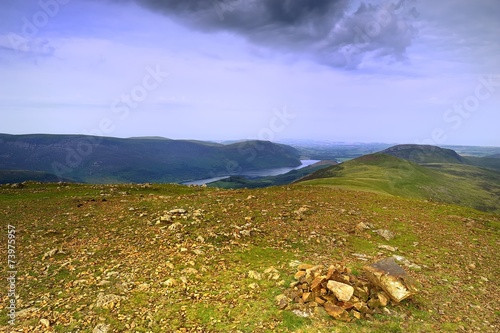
[[254, 173]]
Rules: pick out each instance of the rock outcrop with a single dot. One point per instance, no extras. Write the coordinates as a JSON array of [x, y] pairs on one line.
[[345, 296], [390, 277]]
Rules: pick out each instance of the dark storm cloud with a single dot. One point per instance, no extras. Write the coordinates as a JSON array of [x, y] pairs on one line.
[[329, 31]]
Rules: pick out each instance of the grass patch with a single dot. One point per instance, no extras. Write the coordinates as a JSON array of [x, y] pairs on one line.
[[292, 322]]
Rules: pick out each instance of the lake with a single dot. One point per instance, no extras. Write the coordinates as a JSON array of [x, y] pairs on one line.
[[254, 173]]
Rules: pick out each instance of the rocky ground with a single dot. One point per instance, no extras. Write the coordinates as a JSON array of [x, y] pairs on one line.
[[170, 258]]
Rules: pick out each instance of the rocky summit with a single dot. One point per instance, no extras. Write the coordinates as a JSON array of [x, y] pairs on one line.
[[171, 258]]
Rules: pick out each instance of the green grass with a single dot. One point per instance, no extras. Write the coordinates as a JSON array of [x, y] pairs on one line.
[[293, 322], [379, 173], [452, 183]]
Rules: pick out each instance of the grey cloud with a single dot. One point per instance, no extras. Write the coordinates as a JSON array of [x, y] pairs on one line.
[[464, 31], [325, 30]]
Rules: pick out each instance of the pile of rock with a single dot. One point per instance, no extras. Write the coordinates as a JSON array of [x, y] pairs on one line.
[[345, 296]]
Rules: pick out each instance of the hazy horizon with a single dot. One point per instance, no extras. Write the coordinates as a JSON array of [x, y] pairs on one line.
[[287, 141], [401, 71]]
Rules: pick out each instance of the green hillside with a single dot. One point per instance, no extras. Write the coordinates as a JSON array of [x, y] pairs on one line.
[[113, 160], [485, 162], [452, 183]]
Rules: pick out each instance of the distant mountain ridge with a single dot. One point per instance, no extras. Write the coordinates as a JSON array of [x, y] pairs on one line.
[[424, 154], [427, 154], [113, 160]]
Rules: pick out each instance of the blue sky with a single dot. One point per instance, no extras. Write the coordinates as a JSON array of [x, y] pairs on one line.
[[400, 71]]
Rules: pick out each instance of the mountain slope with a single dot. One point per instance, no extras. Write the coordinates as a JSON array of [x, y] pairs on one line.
[[452, 183], [111, 160], [484, 162]]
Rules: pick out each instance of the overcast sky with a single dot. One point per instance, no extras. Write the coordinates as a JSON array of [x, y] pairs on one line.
[[397, 71]]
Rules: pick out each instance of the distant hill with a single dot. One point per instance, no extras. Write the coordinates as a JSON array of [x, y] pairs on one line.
[[484, 162], [113, 160], [446, 182], [424, 154], [427, 155]]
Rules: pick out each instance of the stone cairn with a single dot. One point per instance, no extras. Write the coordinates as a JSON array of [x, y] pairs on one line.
[[343, 295]]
